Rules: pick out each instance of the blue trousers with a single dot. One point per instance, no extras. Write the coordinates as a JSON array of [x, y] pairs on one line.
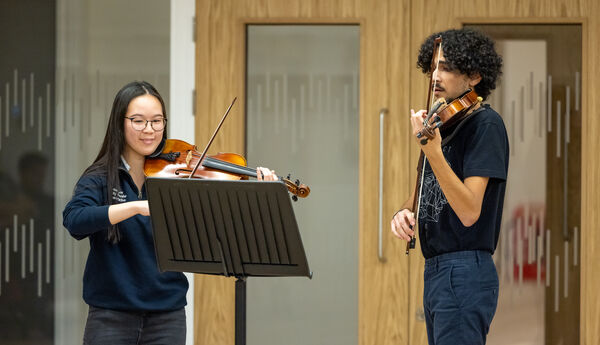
[[460, 297], [114, 327]]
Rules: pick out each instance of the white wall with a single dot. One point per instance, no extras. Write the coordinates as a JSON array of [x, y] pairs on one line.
[[181, 116]]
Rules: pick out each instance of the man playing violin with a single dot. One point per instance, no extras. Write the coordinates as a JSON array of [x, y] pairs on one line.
[[462, 192]]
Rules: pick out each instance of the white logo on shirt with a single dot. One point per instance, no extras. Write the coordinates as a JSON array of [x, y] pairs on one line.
[[119, 196]]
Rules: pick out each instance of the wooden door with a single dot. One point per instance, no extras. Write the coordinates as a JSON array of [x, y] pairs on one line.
[[383, 281]]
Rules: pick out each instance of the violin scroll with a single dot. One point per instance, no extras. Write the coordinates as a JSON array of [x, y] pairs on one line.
[[296, 188]]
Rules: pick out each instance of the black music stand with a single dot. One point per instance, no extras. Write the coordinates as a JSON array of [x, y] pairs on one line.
[[231, 228]]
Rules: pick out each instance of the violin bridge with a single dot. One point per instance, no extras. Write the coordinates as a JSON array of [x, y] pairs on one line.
[[188, 159]]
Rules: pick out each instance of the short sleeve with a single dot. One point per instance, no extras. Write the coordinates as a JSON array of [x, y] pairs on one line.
[[487, 152]]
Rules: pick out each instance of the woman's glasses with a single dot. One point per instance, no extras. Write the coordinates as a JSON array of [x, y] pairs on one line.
[[139, 123]]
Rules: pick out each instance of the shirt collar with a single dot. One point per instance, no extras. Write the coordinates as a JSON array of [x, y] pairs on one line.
[[125, 165]]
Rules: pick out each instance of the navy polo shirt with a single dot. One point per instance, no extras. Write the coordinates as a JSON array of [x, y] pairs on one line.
[[478, 147], [122, 276]]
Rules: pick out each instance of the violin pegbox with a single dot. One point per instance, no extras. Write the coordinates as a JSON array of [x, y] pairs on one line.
[[296, 188]]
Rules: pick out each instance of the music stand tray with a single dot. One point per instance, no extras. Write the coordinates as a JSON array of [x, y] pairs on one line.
[[223, 227]]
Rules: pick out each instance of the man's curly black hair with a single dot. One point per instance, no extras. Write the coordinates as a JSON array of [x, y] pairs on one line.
[[469, 52]]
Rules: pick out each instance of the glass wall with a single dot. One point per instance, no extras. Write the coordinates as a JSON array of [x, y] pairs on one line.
[[302, 118], [27, 79], [62, 62]]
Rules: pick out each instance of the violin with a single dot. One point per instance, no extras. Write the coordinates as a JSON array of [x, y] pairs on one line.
[[178, 158], [447, 114]]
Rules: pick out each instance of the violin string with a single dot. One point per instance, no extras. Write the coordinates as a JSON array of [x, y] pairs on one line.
[[249, 171]]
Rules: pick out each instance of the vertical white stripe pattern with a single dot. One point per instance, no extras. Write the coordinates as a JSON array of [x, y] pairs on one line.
[[319, 104], [558, 126], [15, 87], [284, 106], [575, 245], [259, 110], [531, 90], [47, 256], [512, 126], [346, 111], [520, 258], [294, 135], [23, 251], [302, 110], [24, 105], [556, 282], [40, 123], [73, 100], [355, 90], [15, 226], [567, 115], [522, 114], [63, 111], [276, 106], [311, 81], [577, 81], [31, 240], [540, 249], [566, 275], [268, 90], [549, 103], [39, 272], [6, 253], [541, 111], [531, 245], [511, 256], [7, 111], [48, 113], [31, 98], [548, 258]]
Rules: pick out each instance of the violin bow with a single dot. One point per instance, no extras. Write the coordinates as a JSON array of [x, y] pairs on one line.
[[211, 139], [435, 61]]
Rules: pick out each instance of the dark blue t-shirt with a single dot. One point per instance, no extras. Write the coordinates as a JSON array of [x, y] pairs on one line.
[[478, 147]]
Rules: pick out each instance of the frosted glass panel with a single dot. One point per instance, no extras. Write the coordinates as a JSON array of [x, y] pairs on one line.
[[302, 118], [537, 257]]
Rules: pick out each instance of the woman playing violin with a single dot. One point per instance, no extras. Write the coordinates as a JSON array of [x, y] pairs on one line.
[[130, 301], [461, 199]]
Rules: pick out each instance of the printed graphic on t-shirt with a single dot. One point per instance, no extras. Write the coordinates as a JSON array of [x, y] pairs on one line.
[[433, 199]]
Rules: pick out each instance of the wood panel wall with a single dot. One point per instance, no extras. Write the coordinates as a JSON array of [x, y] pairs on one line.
[[393, 82]]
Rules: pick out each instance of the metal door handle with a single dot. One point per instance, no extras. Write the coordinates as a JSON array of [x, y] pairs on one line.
[[382, 113]]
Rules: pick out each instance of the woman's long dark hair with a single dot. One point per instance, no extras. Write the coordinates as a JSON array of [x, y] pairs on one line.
[[109, 158]]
